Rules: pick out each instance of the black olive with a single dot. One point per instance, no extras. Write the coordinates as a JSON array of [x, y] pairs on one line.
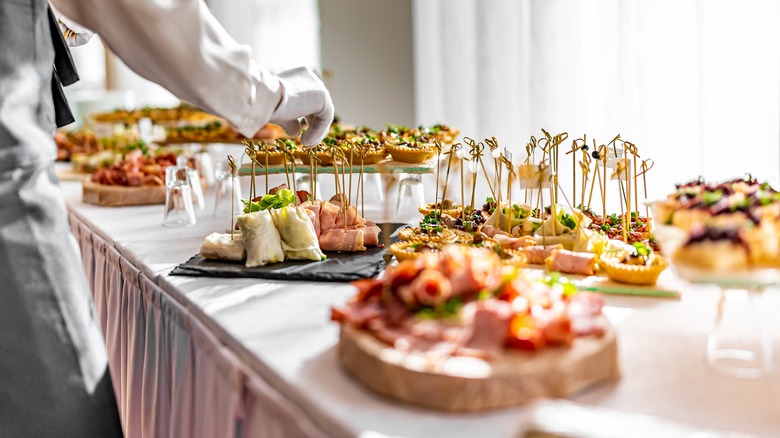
[[595, 154], [585, 148]]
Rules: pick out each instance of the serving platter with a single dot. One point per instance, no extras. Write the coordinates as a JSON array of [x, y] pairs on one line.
[[461, 384], [117, 196]]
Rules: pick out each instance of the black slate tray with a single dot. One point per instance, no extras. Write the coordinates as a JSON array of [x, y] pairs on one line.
[[339, 267]]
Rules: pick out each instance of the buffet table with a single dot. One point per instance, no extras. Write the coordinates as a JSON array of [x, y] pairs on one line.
[[244, 357]]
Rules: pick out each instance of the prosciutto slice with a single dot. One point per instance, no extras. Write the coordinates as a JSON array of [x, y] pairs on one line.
[[328, 214], [508, 242], [570, 262], [314, 208], [339, 239], [489, 327], [537, 253], [372, 233]]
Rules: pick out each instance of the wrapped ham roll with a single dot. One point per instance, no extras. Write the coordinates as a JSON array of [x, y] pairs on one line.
[[296, 230], [536, 254], [221, 246], [261, 239], [372, 233], [314, 208], [570, 262], [339, 239]]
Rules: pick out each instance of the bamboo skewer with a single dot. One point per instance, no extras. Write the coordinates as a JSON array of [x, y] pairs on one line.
[[232, 164], [446, 180], [437, 144], [351, 159], [645, 168]]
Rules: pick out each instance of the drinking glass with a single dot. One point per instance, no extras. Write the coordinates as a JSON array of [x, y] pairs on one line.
[[739, 344], [179, 211], [228, 193]]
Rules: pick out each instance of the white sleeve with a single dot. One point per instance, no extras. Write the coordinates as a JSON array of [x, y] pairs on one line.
[[181, 46]]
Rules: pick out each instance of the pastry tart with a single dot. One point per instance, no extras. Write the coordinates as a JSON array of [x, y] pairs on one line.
[[634, 274], [417, 234], [414, 153], [412, 250], [322, 154], [449, 208]]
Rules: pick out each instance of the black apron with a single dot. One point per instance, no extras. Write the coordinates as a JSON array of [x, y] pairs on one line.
[[53, 374]]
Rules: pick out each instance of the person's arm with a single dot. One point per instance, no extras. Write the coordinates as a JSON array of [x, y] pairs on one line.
[[181, 46]]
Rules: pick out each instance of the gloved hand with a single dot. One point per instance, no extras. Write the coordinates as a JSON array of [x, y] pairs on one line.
[[304, 95], [75, 34]]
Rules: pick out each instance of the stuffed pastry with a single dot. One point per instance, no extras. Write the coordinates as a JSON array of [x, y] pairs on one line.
[[299, 240], [261, 240], [221, 246]]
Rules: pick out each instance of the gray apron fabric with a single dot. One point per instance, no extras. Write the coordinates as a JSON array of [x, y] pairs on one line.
[[53, 375]]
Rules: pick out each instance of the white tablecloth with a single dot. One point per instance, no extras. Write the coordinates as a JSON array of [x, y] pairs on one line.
[[241, 357]]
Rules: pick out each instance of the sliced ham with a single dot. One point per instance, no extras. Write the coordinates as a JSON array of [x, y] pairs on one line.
[[339, 239], [328, 214], [584, 311], [135, 179], [489, 328], [492, 231], [430, 288], [508, 242], [315, 208], [372, 233], [571, 262], [352, 217], [356, 314], [554, 325], [537, 253]]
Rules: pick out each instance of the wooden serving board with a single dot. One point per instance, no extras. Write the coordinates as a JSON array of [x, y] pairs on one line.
[[462, 384], [117, 196]]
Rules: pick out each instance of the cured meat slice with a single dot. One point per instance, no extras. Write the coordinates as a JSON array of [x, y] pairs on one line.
[[339, 239], [537, 253], [508, 242], [489, 328], [277, 188], [571, 262], [372, 233], [328, 214], [314, 208]]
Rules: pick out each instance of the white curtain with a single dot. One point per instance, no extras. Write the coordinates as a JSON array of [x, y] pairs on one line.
[[694, 84], [283, 34]]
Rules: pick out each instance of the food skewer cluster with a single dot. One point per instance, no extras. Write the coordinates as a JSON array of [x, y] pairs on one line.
[[547, 228]]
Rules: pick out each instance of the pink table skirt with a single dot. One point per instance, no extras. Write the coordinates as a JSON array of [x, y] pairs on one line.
[[171, 375]]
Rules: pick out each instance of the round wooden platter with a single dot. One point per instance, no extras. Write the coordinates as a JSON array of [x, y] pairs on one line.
[[116, 196], [461, 384]]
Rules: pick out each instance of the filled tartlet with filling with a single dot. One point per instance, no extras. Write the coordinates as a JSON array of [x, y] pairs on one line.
[[412, 250], [411, 152], [635, 264], [447, 207]]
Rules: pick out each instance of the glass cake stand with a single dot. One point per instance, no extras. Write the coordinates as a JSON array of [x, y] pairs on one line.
[[739, 344]]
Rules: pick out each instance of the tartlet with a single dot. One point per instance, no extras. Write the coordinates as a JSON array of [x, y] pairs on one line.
[[646, 274], [412, 250], [414, 153], [449, 208], [417, 234]]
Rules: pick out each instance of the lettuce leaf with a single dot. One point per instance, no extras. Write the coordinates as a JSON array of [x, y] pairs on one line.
[[280, 199]]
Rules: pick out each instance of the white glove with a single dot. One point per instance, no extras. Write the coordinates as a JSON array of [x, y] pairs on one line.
[[304, 95], [74, 33]]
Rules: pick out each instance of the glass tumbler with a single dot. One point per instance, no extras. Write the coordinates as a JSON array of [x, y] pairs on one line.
[[179, 211], [739, 344], [228, 193]]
